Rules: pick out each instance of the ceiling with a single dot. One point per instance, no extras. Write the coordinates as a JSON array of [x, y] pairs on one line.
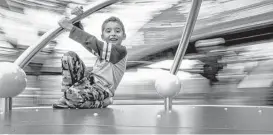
[[151, 25]]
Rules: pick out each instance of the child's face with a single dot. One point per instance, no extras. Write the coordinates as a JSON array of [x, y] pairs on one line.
[[113, 33]]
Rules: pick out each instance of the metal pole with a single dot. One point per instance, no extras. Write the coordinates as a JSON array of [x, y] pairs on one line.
[[7, 105], [184, 41], [168, 104]]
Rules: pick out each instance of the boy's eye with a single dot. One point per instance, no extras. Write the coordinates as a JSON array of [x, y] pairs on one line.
[[108, 30], [118, 30]]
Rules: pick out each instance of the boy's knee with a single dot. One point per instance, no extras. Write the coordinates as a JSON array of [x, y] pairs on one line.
[[68, 55]]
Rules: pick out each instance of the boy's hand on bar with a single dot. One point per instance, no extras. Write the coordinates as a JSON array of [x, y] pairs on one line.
[[66, 24]]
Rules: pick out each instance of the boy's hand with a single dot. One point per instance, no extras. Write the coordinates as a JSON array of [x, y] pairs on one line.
[[77, 11], [66, 24]]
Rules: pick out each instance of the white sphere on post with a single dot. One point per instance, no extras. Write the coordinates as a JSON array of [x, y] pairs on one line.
[[12, 80], [167, 86]]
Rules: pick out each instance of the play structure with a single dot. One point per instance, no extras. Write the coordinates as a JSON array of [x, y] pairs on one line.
[[117, 119]]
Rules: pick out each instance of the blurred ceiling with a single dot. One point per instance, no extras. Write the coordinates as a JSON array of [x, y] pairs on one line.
[[151, 25]]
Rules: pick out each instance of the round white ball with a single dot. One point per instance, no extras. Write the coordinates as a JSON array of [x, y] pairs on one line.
[[12, 80], [168, 85]]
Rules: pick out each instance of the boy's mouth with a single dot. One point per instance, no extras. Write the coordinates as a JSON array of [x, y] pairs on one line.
[[113, 39]]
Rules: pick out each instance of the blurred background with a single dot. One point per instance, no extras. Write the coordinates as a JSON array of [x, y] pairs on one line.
[[228, 60]]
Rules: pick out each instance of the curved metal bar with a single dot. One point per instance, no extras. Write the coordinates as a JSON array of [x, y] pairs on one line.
[[28, 54], [184, 41], [183, 45]]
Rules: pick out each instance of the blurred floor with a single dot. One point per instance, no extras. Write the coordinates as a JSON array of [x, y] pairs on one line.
[[140, 119]]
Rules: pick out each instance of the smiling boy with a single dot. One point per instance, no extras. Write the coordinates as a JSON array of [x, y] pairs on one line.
[[95, 89]]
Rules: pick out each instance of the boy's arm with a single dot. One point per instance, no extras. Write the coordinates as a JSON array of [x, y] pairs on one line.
[[89, 41], [117, 54], [108, 52]]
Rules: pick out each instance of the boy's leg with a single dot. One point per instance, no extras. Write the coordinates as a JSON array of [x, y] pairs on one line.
[[96, 97], [74, 66], [66, 76], [84, 95], [96, 104], [72, 72]]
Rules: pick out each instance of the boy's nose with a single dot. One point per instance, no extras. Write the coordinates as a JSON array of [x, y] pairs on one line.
[[113, 33]]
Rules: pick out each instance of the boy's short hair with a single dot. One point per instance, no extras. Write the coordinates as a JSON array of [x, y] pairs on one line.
[[113, 19]]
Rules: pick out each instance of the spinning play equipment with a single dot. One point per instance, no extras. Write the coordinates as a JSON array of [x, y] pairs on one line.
[[212, 116]]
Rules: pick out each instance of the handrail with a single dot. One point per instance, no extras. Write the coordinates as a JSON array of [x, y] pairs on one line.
[[185, 38], [31, 51]]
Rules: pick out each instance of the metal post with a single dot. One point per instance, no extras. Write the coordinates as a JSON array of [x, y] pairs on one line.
[[168, 104], [7, 105], [184, 41]]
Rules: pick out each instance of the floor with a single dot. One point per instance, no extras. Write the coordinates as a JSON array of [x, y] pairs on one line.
[[140, 119]]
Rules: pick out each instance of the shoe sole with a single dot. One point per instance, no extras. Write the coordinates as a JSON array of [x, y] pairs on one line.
[[56, 106]]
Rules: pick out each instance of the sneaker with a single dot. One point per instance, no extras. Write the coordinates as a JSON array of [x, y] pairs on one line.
[[61, 104], [107, 101]]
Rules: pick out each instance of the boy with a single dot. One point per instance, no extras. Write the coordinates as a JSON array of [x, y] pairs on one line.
[[95, 89]]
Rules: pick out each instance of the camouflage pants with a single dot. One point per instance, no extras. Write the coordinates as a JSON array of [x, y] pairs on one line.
[[78, 86]]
